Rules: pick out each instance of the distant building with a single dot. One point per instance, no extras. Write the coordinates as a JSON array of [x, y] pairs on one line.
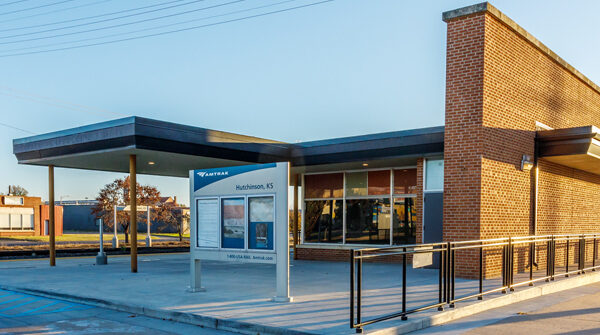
[[78, 217], [27, 216]]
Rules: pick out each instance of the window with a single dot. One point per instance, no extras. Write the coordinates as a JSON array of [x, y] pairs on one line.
[[321, 186], [15, 222], [4, 221], [405, 181], [368, 221], [12, 200], [369, 215], [27, 221], [356, 184], [434, 174], [405, 218], [323, 221], [379, 182]]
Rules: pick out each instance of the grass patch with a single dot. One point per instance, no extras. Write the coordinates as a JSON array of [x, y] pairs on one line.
[[84, 237], [171, 235]]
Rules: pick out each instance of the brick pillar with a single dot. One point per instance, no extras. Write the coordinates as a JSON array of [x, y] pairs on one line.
[[462, 139]]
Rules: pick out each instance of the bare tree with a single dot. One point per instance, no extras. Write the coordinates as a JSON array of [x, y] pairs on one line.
[[17, 190], [172, 215], [117, 194]]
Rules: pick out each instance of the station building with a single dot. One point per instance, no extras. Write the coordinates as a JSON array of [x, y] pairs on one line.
[[519, 153]]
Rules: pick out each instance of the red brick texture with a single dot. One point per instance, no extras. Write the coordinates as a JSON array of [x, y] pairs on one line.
[[463, 148], [40, 214], [29, 202], [58, 219], [419, 202], [343, 255], [498, 84]]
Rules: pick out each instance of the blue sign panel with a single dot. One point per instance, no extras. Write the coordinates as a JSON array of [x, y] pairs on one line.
[[206, 177], [261, 235]]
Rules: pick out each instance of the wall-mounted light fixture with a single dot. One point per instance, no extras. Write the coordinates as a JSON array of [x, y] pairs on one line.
[[151, 163], [526, 163], [365, 164]]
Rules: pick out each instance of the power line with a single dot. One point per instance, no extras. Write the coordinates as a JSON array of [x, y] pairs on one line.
[[24, 95], [54, 11], [104, 20], [151, 28], [36, 7], [10, 3], [116, 25], [171, 31], [94, 22], [91, 17], [16, 128]]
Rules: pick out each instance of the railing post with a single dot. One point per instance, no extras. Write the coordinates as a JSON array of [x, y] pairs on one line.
[[447, 272], [548, 260], [352, 274], [442, 277], [511, 250], [359, 291], [453, 276], [403, 317], [531, 251], [594, 252], [504, 269], [553, 272], [567, 261], [480, 297], [582, 254]]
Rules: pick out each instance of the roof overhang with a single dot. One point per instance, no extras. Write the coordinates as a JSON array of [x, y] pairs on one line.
[[170, 149], [577, 148], [162, 148]]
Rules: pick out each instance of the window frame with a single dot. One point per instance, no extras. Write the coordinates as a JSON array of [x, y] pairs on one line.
[[391, 196]]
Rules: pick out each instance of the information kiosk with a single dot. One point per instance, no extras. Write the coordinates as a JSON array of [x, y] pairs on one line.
[[240, 214]]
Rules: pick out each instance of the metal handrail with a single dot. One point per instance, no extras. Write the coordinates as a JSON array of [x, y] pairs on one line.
[[447, 262]]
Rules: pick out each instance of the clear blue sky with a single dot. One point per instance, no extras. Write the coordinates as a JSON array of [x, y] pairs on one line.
[[342, 68]]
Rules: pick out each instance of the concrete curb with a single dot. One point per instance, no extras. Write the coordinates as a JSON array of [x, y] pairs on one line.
[[518, 295], [189, 318]]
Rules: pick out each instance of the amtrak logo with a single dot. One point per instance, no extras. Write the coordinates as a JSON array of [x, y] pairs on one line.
[[203, 178], [203, 174]]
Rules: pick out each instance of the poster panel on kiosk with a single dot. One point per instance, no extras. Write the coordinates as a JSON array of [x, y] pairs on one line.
[[240, 214]]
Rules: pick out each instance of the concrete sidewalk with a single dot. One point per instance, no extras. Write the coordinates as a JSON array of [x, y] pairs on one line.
[[574, 311], [238, 295], [28, 314]]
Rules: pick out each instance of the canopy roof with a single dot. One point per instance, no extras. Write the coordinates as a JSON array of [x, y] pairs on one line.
[[577, 147], [170, 149]]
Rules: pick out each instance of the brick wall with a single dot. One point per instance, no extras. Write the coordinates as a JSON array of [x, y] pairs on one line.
[[342, 255], [462, 138], [419, 202], [28, 202], [58, 219], [499, 82]]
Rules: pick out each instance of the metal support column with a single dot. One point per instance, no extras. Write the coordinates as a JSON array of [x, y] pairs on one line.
[[133, 211], [101, 257], [115, 240], [148, 222], [51, 218], [296, 214]]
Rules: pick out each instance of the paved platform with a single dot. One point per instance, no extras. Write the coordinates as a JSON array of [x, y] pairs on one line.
[[238, 296], [29, 314], [574, 311]]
